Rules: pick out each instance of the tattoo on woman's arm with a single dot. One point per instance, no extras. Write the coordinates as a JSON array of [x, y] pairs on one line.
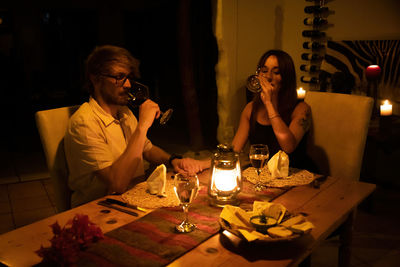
[[305, 122]]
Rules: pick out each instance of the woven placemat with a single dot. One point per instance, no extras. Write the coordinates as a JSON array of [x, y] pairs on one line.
[[139, 195], [296, 177]]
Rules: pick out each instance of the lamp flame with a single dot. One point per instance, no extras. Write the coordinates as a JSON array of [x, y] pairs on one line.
[[225, 180]]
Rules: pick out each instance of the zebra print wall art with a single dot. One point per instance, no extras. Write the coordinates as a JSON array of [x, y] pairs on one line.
[[344, 64]]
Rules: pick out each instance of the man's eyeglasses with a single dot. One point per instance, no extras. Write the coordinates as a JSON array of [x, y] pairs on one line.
[[120, 79]]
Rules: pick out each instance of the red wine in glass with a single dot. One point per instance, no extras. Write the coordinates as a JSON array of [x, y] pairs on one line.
[[138, 93]]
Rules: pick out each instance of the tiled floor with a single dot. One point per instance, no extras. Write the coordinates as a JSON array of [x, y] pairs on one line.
[[24, 203]]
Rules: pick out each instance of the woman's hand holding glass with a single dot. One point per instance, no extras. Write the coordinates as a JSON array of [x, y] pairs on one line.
[[254, 83], [261, 82], [268, 90]]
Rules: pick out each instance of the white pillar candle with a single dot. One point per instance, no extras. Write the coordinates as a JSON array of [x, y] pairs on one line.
[[301, 93], [386, 108]]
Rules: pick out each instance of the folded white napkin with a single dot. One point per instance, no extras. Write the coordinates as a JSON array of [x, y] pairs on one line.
[[278, 165], [157, 181]]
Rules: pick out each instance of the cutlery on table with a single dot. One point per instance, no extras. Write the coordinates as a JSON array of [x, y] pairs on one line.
[[108, 205], [124, 204]]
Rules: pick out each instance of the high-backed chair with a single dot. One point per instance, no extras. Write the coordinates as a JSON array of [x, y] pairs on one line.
[[52, 125], [336, 144], [338, 132]]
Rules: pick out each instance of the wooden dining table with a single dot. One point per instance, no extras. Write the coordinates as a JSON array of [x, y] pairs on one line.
[[329, 206]]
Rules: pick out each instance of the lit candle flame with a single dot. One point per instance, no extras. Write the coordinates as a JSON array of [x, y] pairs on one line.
[[301, 93], [386, 108]]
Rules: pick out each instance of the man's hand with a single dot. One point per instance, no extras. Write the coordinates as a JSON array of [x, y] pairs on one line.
[[188, 165], [148, 111]]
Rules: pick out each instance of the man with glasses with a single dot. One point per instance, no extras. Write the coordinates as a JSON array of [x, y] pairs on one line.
[[105, 144]]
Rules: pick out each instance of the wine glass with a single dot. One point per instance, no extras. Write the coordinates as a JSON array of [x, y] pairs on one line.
[[186, 187], [258, 155], [138, 93], [253, 81], [253, 84]]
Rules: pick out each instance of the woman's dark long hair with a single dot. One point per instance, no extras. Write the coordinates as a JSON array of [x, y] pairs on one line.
[[287, 96]]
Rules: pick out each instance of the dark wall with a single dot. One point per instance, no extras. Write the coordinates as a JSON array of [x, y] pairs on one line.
[[44, 45]]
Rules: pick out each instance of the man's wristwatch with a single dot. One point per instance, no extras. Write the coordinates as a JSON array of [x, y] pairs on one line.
[[174, 156]]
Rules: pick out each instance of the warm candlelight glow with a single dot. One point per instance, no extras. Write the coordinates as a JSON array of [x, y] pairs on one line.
[[225, 180], [386, 108], [226, 177], [301, 93]]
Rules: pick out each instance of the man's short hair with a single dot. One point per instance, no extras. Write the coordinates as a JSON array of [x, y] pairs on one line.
[[103, 57]]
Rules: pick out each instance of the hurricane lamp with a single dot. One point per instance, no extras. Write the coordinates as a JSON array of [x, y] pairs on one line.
[[226, 180]]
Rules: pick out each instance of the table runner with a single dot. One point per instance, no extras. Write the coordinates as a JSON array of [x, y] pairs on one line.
[[152, 240]]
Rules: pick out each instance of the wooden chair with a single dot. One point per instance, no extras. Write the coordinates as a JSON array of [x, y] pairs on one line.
[[338, 133], [52, 125], [336, 145]]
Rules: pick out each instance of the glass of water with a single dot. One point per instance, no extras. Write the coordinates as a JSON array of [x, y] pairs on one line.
[[186, 187]]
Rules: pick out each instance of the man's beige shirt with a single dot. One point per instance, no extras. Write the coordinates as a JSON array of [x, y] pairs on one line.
[[93, 141]]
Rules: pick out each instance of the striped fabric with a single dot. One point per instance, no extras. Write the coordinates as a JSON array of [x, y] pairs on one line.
[[352, 57], [152, 240]]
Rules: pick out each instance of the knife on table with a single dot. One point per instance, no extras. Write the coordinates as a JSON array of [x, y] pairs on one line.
[[108, 205], [124, 204]]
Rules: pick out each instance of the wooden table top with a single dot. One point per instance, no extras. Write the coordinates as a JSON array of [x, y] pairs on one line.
[[326, 207]]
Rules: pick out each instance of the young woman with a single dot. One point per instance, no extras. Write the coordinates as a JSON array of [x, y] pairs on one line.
[[275, 117]]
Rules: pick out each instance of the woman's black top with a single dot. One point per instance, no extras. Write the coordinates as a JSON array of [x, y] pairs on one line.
[[264, 134]]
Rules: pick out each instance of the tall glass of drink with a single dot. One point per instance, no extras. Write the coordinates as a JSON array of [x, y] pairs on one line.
[[258, 155], [186, 187]]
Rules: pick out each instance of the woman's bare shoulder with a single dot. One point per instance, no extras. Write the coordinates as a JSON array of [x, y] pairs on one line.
[[247, 109], [301, 108]]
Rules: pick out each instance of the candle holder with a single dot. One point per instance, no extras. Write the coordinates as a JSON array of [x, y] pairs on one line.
[[372, 73], [385, 118], [385, 125], [226, 180]]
